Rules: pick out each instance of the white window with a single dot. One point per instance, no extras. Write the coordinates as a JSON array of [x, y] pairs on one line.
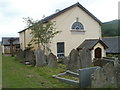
[[77, 26], [60, 49]]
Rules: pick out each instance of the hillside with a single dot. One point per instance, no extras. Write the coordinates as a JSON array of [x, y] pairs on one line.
[[111, 28]]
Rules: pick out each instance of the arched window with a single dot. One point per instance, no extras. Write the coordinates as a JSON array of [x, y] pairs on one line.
[[77, 26]]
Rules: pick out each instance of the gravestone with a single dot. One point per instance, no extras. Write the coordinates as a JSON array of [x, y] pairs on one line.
[[20, 54], [85, 76], [65, 60], [85, 58], [106, 76], [117, 68], [73, 62], [40, 57], [30, 57], [52, 60]]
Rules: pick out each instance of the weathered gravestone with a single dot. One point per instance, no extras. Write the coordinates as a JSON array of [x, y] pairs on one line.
[[85, 76], [65, 60], [85, 58], [73, 63], [40, 57], [20, 55], [52, 60], [30, 57], [108, 76], [117, 68]]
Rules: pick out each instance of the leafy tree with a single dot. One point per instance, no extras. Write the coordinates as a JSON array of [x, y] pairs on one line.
[[42, 32]]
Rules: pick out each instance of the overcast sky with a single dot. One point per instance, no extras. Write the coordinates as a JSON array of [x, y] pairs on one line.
[[13, 11]]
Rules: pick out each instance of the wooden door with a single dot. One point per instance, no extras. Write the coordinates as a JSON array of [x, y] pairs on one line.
[[98, 53]]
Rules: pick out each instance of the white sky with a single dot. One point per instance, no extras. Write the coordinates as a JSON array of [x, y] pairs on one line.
[[13, 11]]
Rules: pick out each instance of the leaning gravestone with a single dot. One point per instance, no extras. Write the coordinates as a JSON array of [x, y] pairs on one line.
[[52, 60], [40, 57], [20, 55], [73, 63], [85, 58]]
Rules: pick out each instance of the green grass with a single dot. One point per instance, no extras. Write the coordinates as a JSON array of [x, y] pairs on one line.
[[17, 75]]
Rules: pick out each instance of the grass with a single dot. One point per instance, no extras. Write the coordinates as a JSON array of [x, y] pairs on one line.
[[17, 75]]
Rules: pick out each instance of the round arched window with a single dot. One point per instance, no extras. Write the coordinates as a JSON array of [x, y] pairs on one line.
[[77, 26]]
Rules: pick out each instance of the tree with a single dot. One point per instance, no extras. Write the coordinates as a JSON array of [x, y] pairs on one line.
[[42, 32]]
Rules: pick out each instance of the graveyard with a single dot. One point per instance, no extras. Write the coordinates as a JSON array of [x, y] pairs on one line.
[[18, 75], [28, 69]]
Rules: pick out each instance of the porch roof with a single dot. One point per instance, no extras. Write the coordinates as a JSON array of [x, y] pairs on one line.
[[90, 43]]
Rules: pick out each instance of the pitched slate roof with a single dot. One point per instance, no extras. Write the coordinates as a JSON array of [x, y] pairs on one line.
[[6, 42], [90, 43], [66, 9], [113, 43]]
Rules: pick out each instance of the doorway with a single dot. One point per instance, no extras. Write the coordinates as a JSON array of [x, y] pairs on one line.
[[98, 53]]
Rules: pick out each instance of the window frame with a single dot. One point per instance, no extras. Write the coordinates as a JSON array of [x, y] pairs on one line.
[[77, 30], [61, 54]]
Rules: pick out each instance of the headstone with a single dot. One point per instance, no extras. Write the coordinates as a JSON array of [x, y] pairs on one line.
[[30, 57], [52, 60], [105, 77], [73, 63], [65, 60], [117, 67], [85, 76], [40, 57], [85, 58], [20, 54]]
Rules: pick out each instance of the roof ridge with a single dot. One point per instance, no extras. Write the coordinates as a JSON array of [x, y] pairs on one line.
[[60, 12], [67, 8], [46, 19]]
